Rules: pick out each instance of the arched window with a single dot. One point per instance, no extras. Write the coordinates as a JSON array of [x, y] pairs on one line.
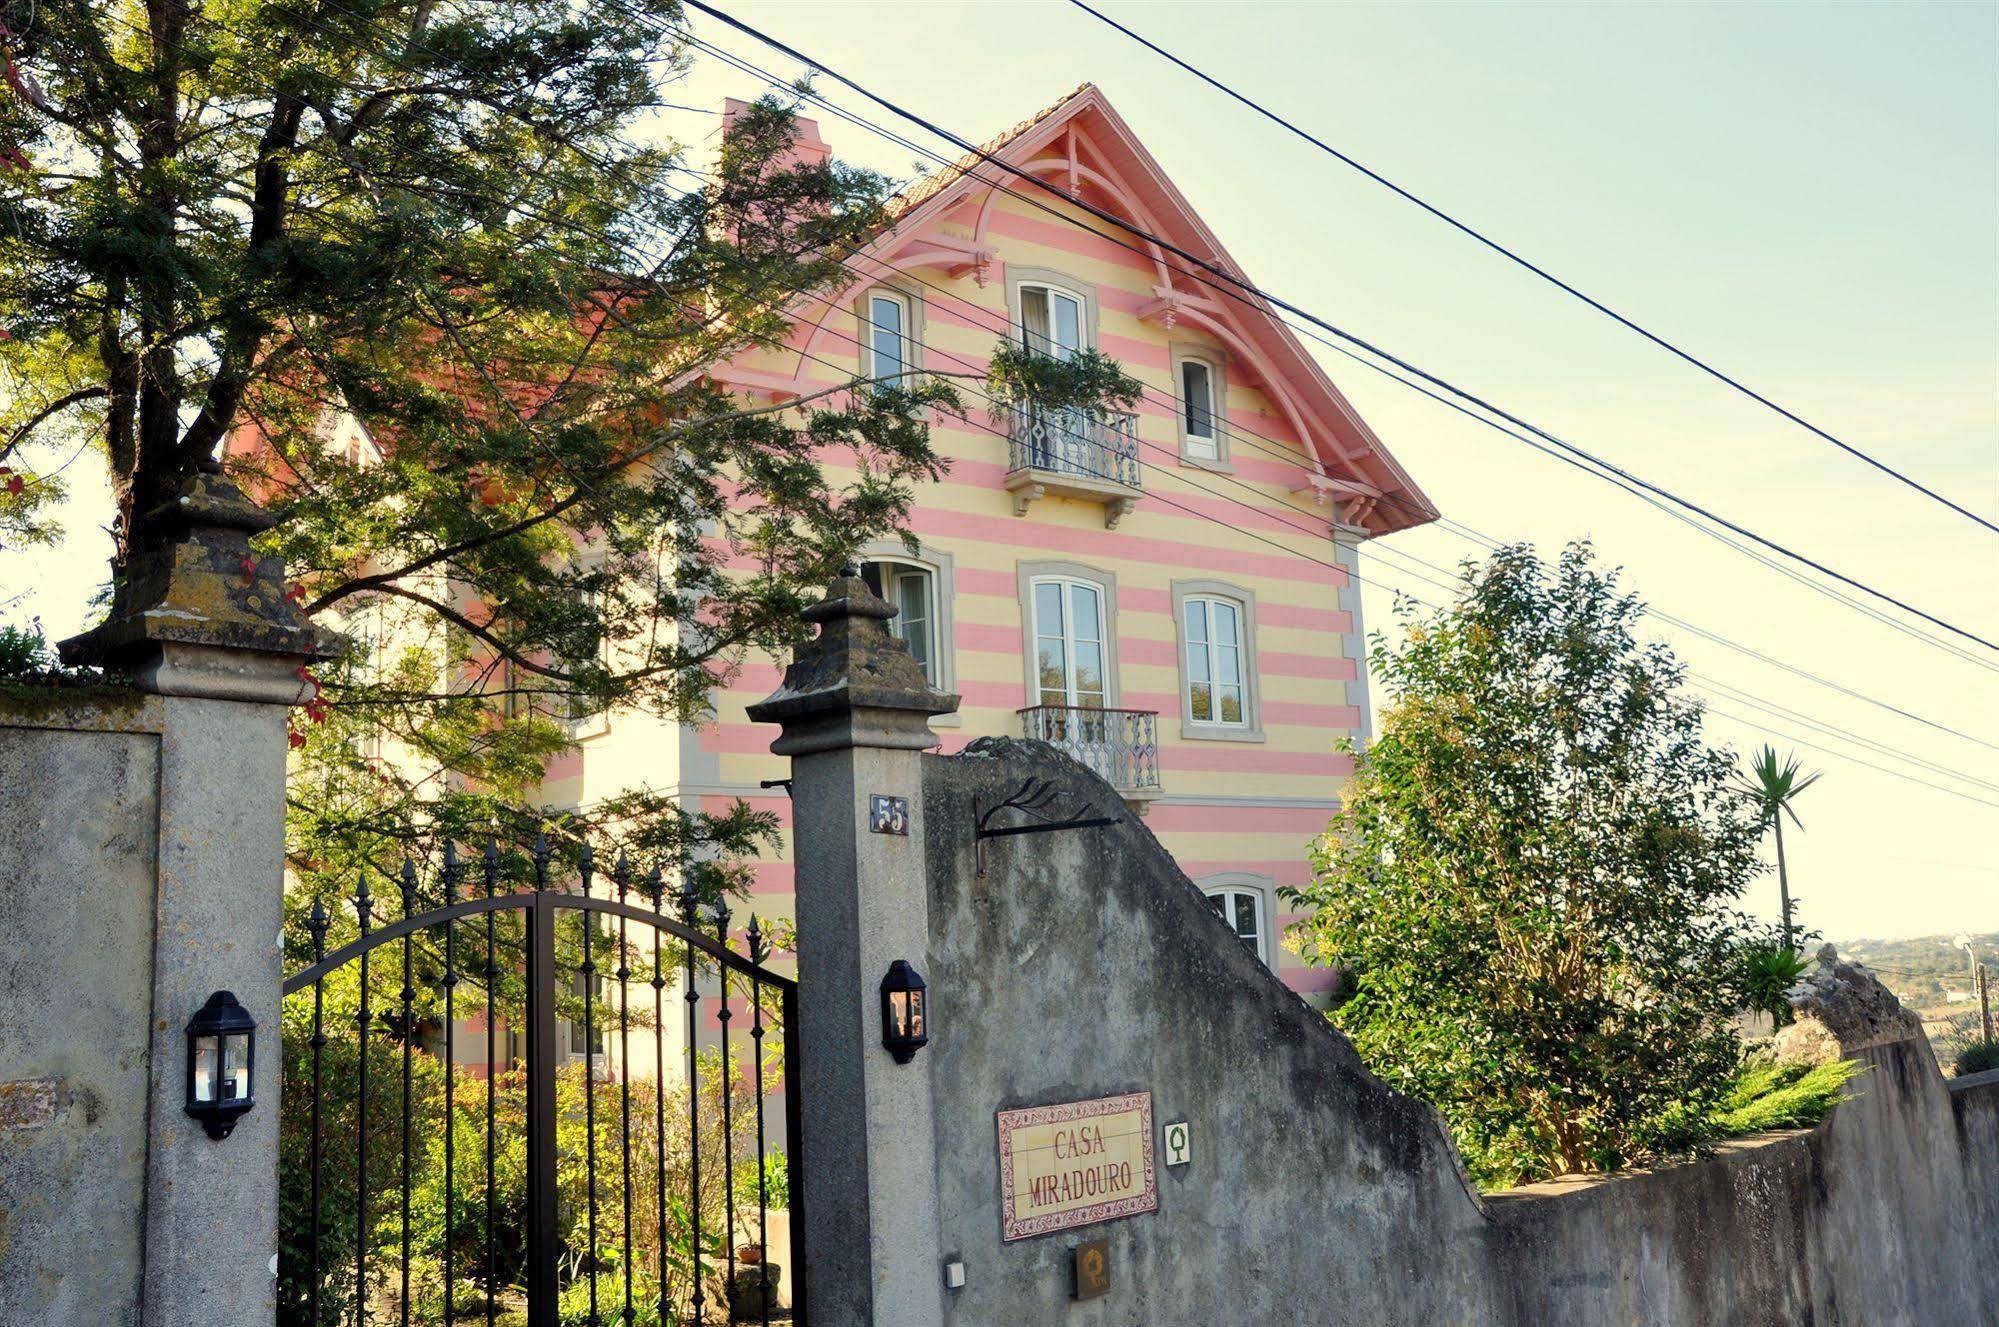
[[1218, 684], [1242, 909], [913, 591], [1052, 319]]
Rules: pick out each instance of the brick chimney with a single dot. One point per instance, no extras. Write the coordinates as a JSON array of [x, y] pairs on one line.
[[808, 148]]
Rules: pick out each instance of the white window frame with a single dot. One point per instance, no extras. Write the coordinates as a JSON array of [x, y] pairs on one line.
[[943, 584], [910, 310], [1028, 574], [1197, 445], [892, 573], [1250, 728], [1069, 638], [1209, 451], [1262, 891], [1020, 280]]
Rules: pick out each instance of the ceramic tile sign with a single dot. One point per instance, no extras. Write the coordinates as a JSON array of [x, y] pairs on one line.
[[1075, 1164], [888, 815]]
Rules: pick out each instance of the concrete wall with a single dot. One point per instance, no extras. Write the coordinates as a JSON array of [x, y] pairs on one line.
[[78, 863], [141, 857], [1085, 965]]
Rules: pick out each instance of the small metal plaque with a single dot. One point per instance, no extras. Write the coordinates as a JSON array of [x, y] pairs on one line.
[[888, 815], [1075, 1164], [1093, 1268], [1179, 1143]]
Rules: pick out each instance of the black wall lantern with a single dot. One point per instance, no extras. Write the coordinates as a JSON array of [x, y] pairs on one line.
[[221, 1052], [905, 1015]]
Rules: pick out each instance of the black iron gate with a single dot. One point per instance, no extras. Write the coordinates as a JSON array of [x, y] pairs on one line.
[[384, 1216]]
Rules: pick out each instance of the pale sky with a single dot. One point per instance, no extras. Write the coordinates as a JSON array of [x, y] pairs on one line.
[[1806, 195]]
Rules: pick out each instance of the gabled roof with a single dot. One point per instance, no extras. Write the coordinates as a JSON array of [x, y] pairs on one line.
[[1087, 151]]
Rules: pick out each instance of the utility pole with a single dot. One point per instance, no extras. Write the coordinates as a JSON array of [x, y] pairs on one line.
[[1985, 1003]]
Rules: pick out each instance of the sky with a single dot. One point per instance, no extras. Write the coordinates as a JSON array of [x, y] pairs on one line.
[[1805, 195]]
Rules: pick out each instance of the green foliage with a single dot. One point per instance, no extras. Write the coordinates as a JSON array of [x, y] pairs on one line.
[[1977, 1058], [1769, 1095], [1530, 876], [24, 652], [454, 1232], [1769, 968], [458, 225], [1774, 783], [776, 1176]]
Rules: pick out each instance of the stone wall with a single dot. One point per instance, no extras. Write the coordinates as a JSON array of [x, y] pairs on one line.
[[1084, 965], [78, 862]]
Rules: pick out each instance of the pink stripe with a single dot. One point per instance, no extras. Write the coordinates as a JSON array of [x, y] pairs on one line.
[[1296, 616], [989, 640], [1336, 667], [1308, 980], [1287, 871], [993, 695], [1118, 546], [1251, 758], [1128, 351], [998, 584], [1058, 235], [1339, 718], [1134, 599], [1161, 652], [771, 878], [1308, 822], [759, 676]]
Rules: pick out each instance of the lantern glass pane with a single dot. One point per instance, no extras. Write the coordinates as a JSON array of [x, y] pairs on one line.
[[205, 1052], [898, 1008], [916, 1013], [235, 1067]]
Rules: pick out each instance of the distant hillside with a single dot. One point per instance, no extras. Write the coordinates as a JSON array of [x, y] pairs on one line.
[[1922, 971]]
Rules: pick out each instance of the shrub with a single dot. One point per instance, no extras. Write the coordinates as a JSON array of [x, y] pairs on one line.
[[1977, 1058], [1769, 1095]]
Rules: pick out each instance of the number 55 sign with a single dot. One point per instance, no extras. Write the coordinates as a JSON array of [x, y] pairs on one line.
[[888, 815]]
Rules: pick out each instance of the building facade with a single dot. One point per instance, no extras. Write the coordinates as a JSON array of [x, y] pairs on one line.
[[1171, 596]]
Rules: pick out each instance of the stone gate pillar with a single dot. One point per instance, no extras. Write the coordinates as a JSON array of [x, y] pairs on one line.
[[209, 636], [855, 709]]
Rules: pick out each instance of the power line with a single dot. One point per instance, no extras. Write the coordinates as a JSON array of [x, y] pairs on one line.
[[1259, 294], [1828, 730], [1317, 533], [1818, 587], [1542, 272]]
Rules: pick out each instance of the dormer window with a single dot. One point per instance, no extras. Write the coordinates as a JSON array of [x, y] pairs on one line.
[[1197, 410]]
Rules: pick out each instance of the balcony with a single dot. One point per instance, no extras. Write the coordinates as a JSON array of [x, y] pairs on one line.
[[1122, 746], [1068, 454]]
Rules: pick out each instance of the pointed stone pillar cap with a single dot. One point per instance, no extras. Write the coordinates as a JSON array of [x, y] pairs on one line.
[[201, 615], [854, 684]]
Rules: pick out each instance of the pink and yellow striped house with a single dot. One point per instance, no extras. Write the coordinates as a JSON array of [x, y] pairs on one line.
[[1171, 598]]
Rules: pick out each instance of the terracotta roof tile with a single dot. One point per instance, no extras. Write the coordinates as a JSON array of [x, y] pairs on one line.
[[929, 186]]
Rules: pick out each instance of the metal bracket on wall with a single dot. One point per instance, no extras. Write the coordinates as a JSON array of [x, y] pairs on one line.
[[1031, 799]]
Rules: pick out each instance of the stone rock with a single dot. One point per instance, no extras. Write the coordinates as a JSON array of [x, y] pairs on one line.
[[1842, 1008], [754, 1292]]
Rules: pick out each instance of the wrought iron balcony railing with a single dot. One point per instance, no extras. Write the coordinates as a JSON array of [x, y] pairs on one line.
[[1068, 453], [1120, 745]]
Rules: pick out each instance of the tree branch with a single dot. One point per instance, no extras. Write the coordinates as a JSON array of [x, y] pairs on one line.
[[56, 406]]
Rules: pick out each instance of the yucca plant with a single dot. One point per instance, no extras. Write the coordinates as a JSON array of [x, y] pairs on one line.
[[1774, 786]]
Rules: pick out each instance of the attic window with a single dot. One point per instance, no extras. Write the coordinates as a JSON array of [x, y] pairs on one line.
[[1197, 410]]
